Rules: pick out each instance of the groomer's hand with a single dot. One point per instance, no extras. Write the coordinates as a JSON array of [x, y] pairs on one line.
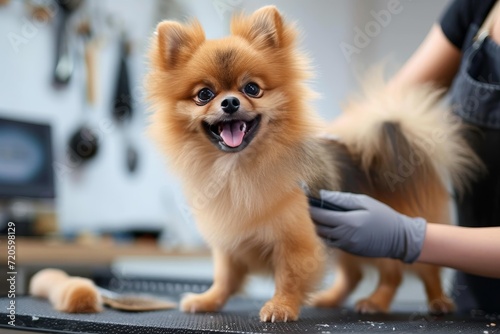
[[368, 227]]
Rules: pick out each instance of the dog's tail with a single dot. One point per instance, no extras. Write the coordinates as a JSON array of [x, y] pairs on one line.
[[403, 138]]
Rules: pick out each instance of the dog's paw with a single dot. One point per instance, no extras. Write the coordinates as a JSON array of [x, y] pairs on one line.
[[278, 312], [325, 299], [443, 305], [194, 303], [367, 306]]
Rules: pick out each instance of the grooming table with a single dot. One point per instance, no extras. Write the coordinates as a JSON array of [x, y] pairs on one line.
[[239, 316]]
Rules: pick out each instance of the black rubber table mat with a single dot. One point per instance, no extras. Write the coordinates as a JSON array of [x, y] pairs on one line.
[[239, 316]]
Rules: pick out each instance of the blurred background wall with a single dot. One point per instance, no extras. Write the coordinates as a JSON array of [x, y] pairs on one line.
[[343, 38]]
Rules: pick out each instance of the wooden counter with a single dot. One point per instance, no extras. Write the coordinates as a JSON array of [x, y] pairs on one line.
[[38, 252]]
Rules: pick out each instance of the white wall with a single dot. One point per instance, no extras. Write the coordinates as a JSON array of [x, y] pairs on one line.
[[102, 194], [407, 25]]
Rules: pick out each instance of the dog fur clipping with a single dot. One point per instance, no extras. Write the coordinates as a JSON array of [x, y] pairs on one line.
[[65, 293], [234, 116]]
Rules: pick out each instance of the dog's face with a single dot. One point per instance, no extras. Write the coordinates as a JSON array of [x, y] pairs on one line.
[[230, 92]]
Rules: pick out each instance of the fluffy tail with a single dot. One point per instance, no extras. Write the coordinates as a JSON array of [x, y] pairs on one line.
[[402, 137]]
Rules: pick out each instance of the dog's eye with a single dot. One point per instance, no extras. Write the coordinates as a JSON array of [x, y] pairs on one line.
[[205, 95], [252, 89]]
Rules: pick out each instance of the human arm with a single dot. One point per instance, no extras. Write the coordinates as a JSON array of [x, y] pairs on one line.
[[371, 228], [435, 61], [473, 250]]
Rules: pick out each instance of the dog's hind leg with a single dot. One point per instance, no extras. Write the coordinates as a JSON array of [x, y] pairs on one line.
[[438, 301], [391, 275], [348, 273]]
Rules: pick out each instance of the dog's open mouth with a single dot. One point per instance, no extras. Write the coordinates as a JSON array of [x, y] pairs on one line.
[[232, 135]]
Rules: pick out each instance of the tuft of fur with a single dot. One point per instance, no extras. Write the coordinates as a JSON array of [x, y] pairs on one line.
[[76, 295], [403, 135], [66, 294]]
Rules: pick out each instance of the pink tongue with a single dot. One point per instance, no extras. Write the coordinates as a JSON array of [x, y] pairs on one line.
[[232, 133]]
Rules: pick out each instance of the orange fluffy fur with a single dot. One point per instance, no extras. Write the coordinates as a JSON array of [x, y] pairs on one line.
[[250, 205], [67, 294]]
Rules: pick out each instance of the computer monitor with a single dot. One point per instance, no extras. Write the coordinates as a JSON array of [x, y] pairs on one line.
[[25, 160]]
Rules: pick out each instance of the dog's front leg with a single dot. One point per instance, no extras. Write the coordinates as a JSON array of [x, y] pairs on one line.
[[298, 266], [228, 277]]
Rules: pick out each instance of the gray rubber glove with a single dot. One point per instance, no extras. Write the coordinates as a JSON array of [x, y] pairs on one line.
[[368, 227]]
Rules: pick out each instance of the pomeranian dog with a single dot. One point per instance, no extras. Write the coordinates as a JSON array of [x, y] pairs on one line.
[[235, 118]]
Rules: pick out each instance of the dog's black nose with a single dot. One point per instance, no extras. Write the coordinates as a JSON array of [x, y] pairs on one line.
[[230, 105]]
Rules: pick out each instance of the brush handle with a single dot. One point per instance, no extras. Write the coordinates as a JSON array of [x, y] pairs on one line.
[[322, 204], [64, 60], [91, 71]]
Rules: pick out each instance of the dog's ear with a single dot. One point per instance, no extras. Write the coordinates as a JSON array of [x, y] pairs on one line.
[[264, 28], [175, 43]]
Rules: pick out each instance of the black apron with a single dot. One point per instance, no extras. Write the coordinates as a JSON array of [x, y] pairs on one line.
[[475, 97]]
